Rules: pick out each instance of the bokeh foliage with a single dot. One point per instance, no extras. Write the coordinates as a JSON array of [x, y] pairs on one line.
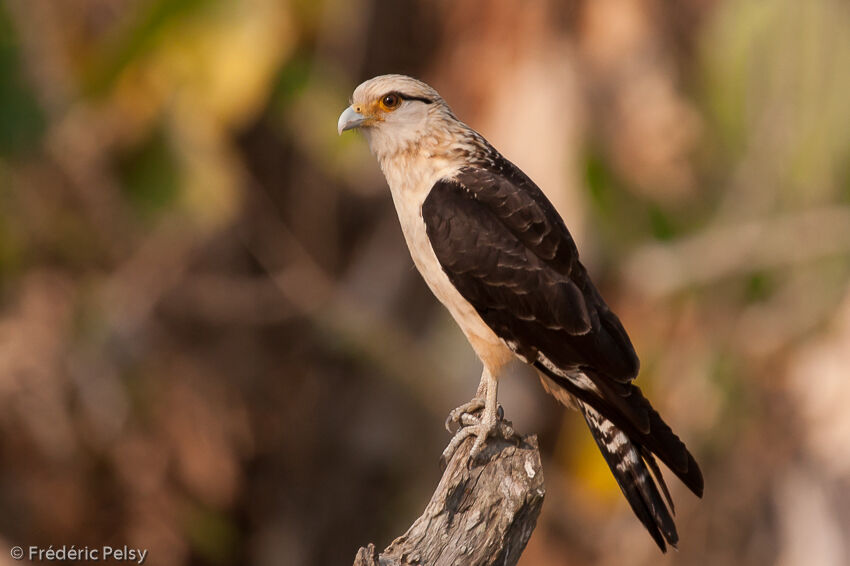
[[213, 344]]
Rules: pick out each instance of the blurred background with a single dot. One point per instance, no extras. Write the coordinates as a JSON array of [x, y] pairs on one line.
[[213, 343]]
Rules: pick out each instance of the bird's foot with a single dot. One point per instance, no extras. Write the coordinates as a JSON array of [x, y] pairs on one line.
[[457, 415], [489, 423]]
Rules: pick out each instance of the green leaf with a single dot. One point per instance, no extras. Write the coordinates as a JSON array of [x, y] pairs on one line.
[[151, 175], [22, 122], [137, 40]]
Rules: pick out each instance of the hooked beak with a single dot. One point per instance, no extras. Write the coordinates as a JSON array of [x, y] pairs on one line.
[[350, 118]]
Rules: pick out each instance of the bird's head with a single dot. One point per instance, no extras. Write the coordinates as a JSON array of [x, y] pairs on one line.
[[395, 112]]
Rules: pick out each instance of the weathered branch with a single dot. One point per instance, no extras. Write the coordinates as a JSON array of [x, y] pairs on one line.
[[478, 516]]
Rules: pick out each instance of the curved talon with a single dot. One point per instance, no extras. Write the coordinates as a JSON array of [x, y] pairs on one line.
[[456, 415]]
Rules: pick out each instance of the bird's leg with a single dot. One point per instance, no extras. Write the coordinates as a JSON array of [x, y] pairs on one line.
[[480, 426]]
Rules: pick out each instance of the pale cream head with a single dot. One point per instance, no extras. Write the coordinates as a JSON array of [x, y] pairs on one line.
[[395, 112]]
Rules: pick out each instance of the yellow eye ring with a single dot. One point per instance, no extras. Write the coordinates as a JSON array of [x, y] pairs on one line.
[[390, 101]]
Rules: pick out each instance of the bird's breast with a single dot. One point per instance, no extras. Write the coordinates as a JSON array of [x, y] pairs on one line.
[[408, 196]]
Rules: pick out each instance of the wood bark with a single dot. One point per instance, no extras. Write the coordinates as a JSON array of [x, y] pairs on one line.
[[480, 514]]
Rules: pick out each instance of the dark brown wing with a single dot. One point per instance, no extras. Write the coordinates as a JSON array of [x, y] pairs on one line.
[[506, 249]]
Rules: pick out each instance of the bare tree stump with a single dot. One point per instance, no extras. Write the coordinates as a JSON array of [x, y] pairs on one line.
[[476, 517]]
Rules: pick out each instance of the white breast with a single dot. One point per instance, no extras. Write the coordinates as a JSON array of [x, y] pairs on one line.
[[410, 187]]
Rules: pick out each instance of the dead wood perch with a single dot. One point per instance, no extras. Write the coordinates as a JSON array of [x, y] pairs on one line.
[[476, 517]]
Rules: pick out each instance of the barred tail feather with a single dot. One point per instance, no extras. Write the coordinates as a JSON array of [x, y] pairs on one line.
[[629, 445], [631, 464], [659, 439]]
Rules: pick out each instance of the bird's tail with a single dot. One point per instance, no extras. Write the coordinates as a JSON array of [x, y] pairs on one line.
[[630, 440], [633, 467]]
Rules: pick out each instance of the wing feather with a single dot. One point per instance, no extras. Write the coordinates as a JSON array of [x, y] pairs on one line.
[[507, 251]]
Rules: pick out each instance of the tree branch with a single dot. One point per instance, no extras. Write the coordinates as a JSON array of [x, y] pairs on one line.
[[476, 517]]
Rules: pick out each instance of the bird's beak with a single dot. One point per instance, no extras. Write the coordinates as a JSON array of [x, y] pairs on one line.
[[350, 118]]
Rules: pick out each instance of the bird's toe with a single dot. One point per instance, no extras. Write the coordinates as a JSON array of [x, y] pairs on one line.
[[459, 415]]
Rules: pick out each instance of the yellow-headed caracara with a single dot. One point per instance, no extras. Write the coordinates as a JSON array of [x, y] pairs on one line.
[[495, 252]]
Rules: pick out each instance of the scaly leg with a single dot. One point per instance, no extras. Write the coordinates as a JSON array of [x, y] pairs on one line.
[[480, 426]]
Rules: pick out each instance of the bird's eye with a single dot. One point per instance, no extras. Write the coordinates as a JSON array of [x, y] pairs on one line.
[[390, 101]]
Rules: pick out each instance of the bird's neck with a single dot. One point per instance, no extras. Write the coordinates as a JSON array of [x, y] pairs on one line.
[[423, 159], [411, 176]]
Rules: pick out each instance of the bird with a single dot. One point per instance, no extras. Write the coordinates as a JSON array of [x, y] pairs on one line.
[[495, 252]]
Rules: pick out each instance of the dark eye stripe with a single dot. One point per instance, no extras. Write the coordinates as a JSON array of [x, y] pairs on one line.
[[419, 98]]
